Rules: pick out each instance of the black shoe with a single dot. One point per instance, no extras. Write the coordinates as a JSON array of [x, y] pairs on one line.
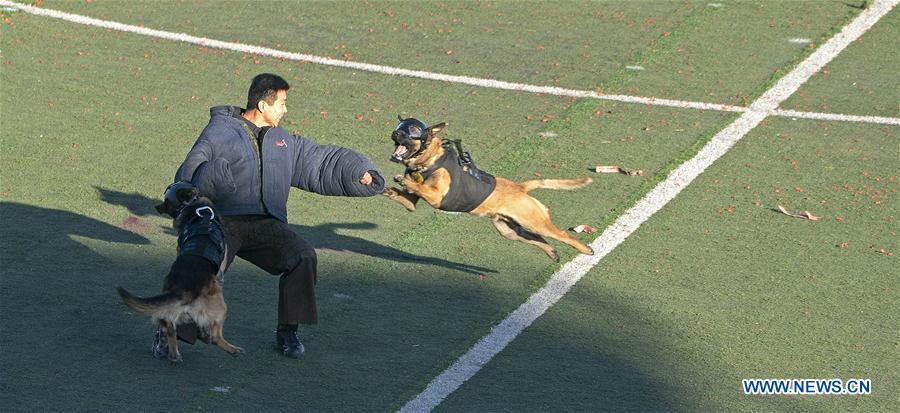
[[160, 348], [289, 344]]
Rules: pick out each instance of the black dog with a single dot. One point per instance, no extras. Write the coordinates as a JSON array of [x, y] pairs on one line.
[[192, 291]]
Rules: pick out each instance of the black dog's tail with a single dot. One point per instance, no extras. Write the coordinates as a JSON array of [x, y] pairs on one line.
[[157, 306]]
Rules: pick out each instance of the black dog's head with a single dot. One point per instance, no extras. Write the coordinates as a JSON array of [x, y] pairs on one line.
[[177, 196], [411, 137]]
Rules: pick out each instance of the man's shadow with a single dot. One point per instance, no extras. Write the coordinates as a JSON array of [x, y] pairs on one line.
[[326, 237], [322, 237], [33, 234], [49, 266]]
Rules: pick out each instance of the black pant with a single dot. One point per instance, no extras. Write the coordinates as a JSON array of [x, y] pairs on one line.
[[273, 246]]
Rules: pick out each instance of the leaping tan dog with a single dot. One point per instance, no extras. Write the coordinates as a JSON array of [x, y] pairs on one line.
[[444, 175]]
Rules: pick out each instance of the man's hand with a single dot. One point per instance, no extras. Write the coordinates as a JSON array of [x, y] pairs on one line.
[[366, 179]]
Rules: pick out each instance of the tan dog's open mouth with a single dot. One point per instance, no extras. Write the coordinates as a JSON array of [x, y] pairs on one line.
[[399, 153]]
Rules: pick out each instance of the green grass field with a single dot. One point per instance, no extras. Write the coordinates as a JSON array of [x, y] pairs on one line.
[[718, 286]]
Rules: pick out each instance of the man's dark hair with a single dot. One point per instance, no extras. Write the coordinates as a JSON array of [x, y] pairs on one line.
[[264, 87]]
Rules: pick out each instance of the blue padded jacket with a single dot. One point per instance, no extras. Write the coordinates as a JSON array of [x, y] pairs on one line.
[[226, 165]]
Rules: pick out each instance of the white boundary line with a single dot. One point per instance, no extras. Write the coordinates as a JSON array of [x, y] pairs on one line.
[[560, 283], [487, 83], [835, 117]]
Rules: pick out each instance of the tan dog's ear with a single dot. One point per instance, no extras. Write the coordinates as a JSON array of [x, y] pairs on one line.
[[436, 129]]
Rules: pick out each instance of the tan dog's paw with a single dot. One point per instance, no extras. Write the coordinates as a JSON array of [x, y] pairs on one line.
[[407, 200], [404, 181]]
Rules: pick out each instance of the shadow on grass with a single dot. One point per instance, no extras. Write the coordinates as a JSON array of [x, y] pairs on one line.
[[35, 233], [70, 345], [322, 237], [51, 287], [326, 237]]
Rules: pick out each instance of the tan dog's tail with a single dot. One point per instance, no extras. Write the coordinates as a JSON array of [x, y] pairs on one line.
[[152, 306], [527, 186]]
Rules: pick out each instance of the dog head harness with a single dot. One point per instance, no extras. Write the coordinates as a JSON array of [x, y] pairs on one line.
[[410, 128]]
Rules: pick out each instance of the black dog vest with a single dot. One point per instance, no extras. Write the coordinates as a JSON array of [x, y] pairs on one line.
[[202, 234], [469, 186]]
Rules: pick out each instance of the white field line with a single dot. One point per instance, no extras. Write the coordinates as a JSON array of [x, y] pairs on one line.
[[835, 117], [560, 283], [480, 82]]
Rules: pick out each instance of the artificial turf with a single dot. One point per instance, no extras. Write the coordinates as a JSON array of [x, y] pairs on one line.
[[110, 115], [721, 286]]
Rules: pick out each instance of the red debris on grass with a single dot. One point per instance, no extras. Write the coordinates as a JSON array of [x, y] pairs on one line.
[[135, 224]]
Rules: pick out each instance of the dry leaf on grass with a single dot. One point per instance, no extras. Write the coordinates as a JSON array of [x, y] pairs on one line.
[[587, 229], [601, 169], [805, 214]]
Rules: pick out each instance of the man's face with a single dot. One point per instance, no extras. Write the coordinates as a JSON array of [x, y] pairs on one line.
[[273, 113]]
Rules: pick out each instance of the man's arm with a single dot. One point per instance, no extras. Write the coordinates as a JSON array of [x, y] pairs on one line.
[[211, 176], [333, 170], [199, 154]]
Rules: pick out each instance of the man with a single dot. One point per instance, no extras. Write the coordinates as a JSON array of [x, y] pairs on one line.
[[245, 163]]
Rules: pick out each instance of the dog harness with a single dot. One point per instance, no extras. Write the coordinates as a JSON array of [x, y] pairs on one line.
[[469, 186], [202, 234]]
